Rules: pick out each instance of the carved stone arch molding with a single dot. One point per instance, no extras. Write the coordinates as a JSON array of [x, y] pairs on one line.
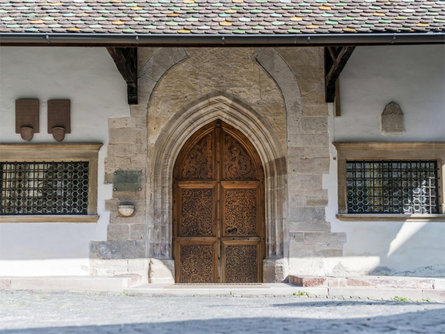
[[152, 71], [271, 61], [273, 64], [167, 147]]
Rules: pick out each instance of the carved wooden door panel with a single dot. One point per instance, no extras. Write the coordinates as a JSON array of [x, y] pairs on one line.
[[218, 218]]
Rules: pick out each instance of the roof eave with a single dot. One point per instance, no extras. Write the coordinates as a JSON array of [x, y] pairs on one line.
[[92, 39]]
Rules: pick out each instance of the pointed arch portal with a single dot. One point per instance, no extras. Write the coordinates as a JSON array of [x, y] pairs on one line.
[[167, 149]]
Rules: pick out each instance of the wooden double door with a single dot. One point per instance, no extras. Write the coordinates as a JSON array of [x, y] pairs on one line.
[[218, 215]]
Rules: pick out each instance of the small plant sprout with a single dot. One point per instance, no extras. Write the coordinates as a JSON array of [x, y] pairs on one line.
[[301, 293]]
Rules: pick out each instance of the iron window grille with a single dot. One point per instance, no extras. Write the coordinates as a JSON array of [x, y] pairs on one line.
[[400, 187], [44, 188]]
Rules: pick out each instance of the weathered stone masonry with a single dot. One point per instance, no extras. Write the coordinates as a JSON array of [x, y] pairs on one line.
[[308, 159], [276, 97]]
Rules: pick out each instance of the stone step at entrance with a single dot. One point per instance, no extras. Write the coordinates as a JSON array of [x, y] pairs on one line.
[[369, 281], [220, 289], [368, 287], [376, 287], [215, 285]]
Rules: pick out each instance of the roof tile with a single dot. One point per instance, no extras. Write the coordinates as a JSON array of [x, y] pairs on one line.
[[221, 17]]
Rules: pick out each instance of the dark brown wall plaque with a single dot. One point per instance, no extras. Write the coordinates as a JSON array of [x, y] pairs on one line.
[[27, 117], [126, 180], [59, 118]]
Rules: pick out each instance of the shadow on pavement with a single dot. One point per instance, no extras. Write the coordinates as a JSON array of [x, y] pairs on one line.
[[428, 321], [348, 303]]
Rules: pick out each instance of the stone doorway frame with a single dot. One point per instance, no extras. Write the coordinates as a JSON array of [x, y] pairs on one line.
[[167, 147]]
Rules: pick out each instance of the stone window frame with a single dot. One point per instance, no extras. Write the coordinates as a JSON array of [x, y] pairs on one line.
[[56, 153], [389, 151]]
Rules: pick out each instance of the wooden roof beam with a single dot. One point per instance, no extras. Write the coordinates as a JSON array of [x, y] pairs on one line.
[[335, 59], [126, 60]]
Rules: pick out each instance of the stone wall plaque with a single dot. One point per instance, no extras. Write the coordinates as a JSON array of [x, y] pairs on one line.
[[391, 121], [126, 180]]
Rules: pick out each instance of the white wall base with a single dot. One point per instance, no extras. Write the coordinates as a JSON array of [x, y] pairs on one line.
[[52, 267], [334, 266], [99, 267]]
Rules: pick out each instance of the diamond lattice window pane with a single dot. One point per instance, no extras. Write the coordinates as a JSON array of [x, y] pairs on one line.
[[403, 187], [44, 188]]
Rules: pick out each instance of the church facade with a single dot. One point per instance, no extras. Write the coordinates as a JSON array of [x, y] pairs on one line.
[[234, 164]]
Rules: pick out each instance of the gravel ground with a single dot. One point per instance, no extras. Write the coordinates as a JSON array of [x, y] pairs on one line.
[[50, 313]]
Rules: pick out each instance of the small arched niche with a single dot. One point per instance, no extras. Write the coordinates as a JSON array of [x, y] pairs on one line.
[[392, 120]]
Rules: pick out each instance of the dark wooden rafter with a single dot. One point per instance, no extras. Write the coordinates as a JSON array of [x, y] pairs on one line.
[[126, 60], [335, 59]]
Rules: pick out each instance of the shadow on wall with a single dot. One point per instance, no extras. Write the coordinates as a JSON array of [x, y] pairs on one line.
[[420, 246], [389, 249], [377, 248], [410, 322]]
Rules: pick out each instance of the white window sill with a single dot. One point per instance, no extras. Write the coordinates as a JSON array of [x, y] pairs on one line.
[[49, 219], [393, 217]]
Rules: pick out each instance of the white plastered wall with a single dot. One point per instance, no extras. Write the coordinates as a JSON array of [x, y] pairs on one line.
[[89, 78], [414, 77]]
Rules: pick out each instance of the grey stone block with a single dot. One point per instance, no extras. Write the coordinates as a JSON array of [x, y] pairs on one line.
[[117, 249], [275, 270], [314, 125], [118, 232], [296, 236], [309, 227], [330, 252], [308, 215]]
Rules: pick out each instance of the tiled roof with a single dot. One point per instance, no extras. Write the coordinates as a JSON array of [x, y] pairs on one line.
[[221, 16]]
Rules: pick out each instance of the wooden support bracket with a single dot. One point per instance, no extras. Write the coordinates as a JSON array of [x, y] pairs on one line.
[[126, 60], [335, 59]]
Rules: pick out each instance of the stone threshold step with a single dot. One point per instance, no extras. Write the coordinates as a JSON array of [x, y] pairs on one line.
[[369, 281], [131, 285], [215, 285], [392, 294], [288, 290], [71, 283], [240, 290]]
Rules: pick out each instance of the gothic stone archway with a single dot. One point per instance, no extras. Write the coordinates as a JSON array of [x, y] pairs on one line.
[[218, 211], [167, 147]]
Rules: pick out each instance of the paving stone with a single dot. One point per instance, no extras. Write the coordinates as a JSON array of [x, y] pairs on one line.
[[51, 313]]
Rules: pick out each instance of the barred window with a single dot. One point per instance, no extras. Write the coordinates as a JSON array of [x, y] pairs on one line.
[[400, 187], [44, 188]]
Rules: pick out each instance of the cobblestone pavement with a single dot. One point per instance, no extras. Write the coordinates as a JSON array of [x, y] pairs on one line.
[[50, 313]]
